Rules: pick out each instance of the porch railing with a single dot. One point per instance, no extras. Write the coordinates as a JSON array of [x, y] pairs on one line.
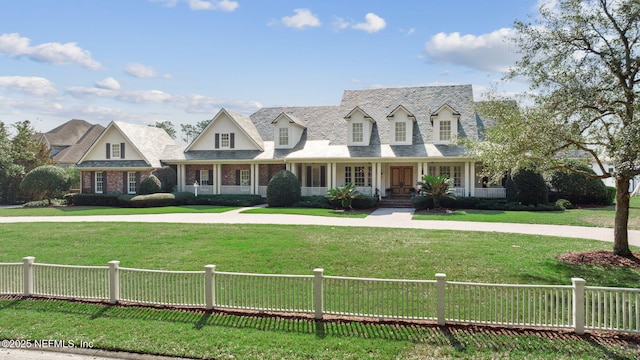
[[490, 192]]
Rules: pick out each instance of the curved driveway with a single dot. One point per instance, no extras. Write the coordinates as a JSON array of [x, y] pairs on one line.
[[392, 218]]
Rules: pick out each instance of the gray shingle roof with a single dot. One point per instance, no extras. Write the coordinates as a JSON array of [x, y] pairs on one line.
[[73, 153]]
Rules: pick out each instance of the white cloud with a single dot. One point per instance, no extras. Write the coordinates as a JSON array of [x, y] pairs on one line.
[[108, 83], [339, 24], [303, 18], [55, 53], [199, 5], [143, 71], [373, 23], [487, 52], [32, 85]]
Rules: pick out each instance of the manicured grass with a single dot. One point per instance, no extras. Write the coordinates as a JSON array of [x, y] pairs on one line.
[[310, 211], [105, 210], [382, 253], [598, 217], [225, 336]]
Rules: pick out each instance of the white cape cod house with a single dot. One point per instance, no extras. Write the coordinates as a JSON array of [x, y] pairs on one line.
[[379, 139]]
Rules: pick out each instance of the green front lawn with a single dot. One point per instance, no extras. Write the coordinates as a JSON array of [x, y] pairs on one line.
[[597, 217], [105, 210], [310, 211], [382, 253]]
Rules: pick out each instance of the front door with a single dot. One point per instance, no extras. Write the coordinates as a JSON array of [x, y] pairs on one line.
[[402, 180]]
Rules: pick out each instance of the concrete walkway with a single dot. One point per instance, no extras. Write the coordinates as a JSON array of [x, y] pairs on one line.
[[388, 218]]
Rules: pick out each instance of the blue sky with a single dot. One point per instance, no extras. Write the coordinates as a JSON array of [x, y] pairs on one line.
[[143, 61]]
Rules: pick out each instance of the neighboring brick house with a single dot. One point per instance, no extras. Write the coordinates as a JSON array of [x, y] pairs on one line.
[[121, 157], [69, 141]]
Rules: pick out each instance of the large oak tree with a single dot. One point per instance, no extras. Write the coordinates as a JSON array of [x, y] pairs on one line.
[[582, 59]]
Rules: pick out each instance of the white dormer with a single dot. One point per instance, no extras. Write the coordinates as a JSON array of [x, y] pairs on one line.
[[288, 131], [445, 124], [228, 130], [401, 126], [359, 127]]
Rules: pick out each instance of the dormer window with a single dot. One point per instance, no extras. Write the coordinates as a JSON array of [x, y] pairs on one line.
[[224, 140], [115, 151], [445, 124], [283, 136], [357, 132], [401, 132]]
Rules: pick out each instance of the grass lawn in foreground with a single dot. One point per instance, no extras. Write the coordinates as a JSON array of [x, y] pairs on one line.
[[383, 253], [597, 216], [106, 210]]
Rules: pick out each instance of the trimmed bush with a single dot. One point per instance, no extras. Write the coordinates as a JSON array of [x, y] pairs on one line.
[[168, 178], [364, 202], [95, 200], [283, 189], [578, 188], [611, 194], [150, 185], [527, 187], [45, 183], [151, 200], [316, 202], [243, 200], [564, 204]]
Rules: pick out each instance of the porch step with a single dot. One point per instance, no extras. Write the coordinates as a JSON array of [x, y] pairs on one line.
[[399, 202]]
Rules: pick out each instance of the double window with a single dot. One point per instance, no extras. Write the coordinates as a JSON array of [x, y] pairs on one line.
[[448, 170], [358, 175]]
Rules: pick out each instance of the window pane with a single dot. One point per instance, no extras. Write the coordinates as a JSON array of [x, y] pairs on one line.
[[131, 177], [224, 140], [115, 151], [99, 182], [359, 176], [284, 136], [204, 177], [457, 176], [445, 130], [401, 131], [244, 178], [357, 132], [347, 174]]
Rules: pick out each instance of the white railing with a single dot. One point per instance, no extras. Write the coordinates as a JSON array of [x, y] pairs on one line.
[[313, 191], [11, 279], [615, 309], [574, 306], [459, 192], [490, 192], [202, 189], [81, 282], [286, 293], [235, 189], [380, 298], [499, 304], [157, 287], [262, 190]]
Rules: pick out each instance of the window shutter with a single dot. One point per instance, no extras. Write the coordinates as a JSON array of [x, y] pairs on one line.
[[232, 140], [309, 176], [237, 177], [137, 178], [108, 151], [93, 182], [217, 145], [210, 177], [125, 182], [323, 176], [122, 150], [104, 182], [198, 176]]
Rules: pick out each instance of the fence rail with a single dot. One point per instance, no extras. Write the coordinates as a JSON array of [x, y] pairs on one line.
[[566, 306]]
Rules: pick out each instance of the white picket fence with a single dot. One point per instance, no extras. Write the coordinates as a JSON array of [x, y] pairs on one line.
[[575, 306]]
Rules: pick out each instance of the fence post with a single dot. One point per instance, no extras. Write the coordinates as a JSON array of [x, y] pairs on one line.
[[209, 287], [317, 293], [578, 305], [114, 281], [27, 275], [441, 282]]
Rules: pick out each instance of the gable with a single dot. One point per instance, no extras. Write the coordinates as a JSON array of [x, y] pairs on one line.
[[112, 135], [227, 131], [288, 132]]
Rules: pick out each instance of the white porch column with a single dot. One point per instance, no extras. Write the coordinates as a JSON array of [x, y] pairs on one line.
[[217, 173], [472, 175], [378, 175], [182, 177], [255, 173], [467, 179], [291, 167], [420, 172], [334, 175]]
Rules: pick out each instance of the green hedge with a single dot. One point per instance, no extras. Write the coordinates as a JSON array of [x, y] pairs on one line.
[[426, 202], [316, 202], [93, 199], [123, 200], [227, 200]]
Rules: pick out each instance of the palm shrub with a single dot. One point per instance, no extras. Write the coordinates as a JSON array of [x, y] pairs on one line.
[[283, 189], [45, 182], [438, 187], [344, 194]]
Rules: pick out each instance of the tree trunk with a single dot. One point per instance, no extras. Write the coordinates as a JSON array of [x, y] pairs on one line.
[[620, 234]]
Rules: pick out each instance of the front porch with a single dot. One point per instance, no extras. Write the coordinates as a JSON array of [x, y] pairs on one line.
[[371, 178]]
